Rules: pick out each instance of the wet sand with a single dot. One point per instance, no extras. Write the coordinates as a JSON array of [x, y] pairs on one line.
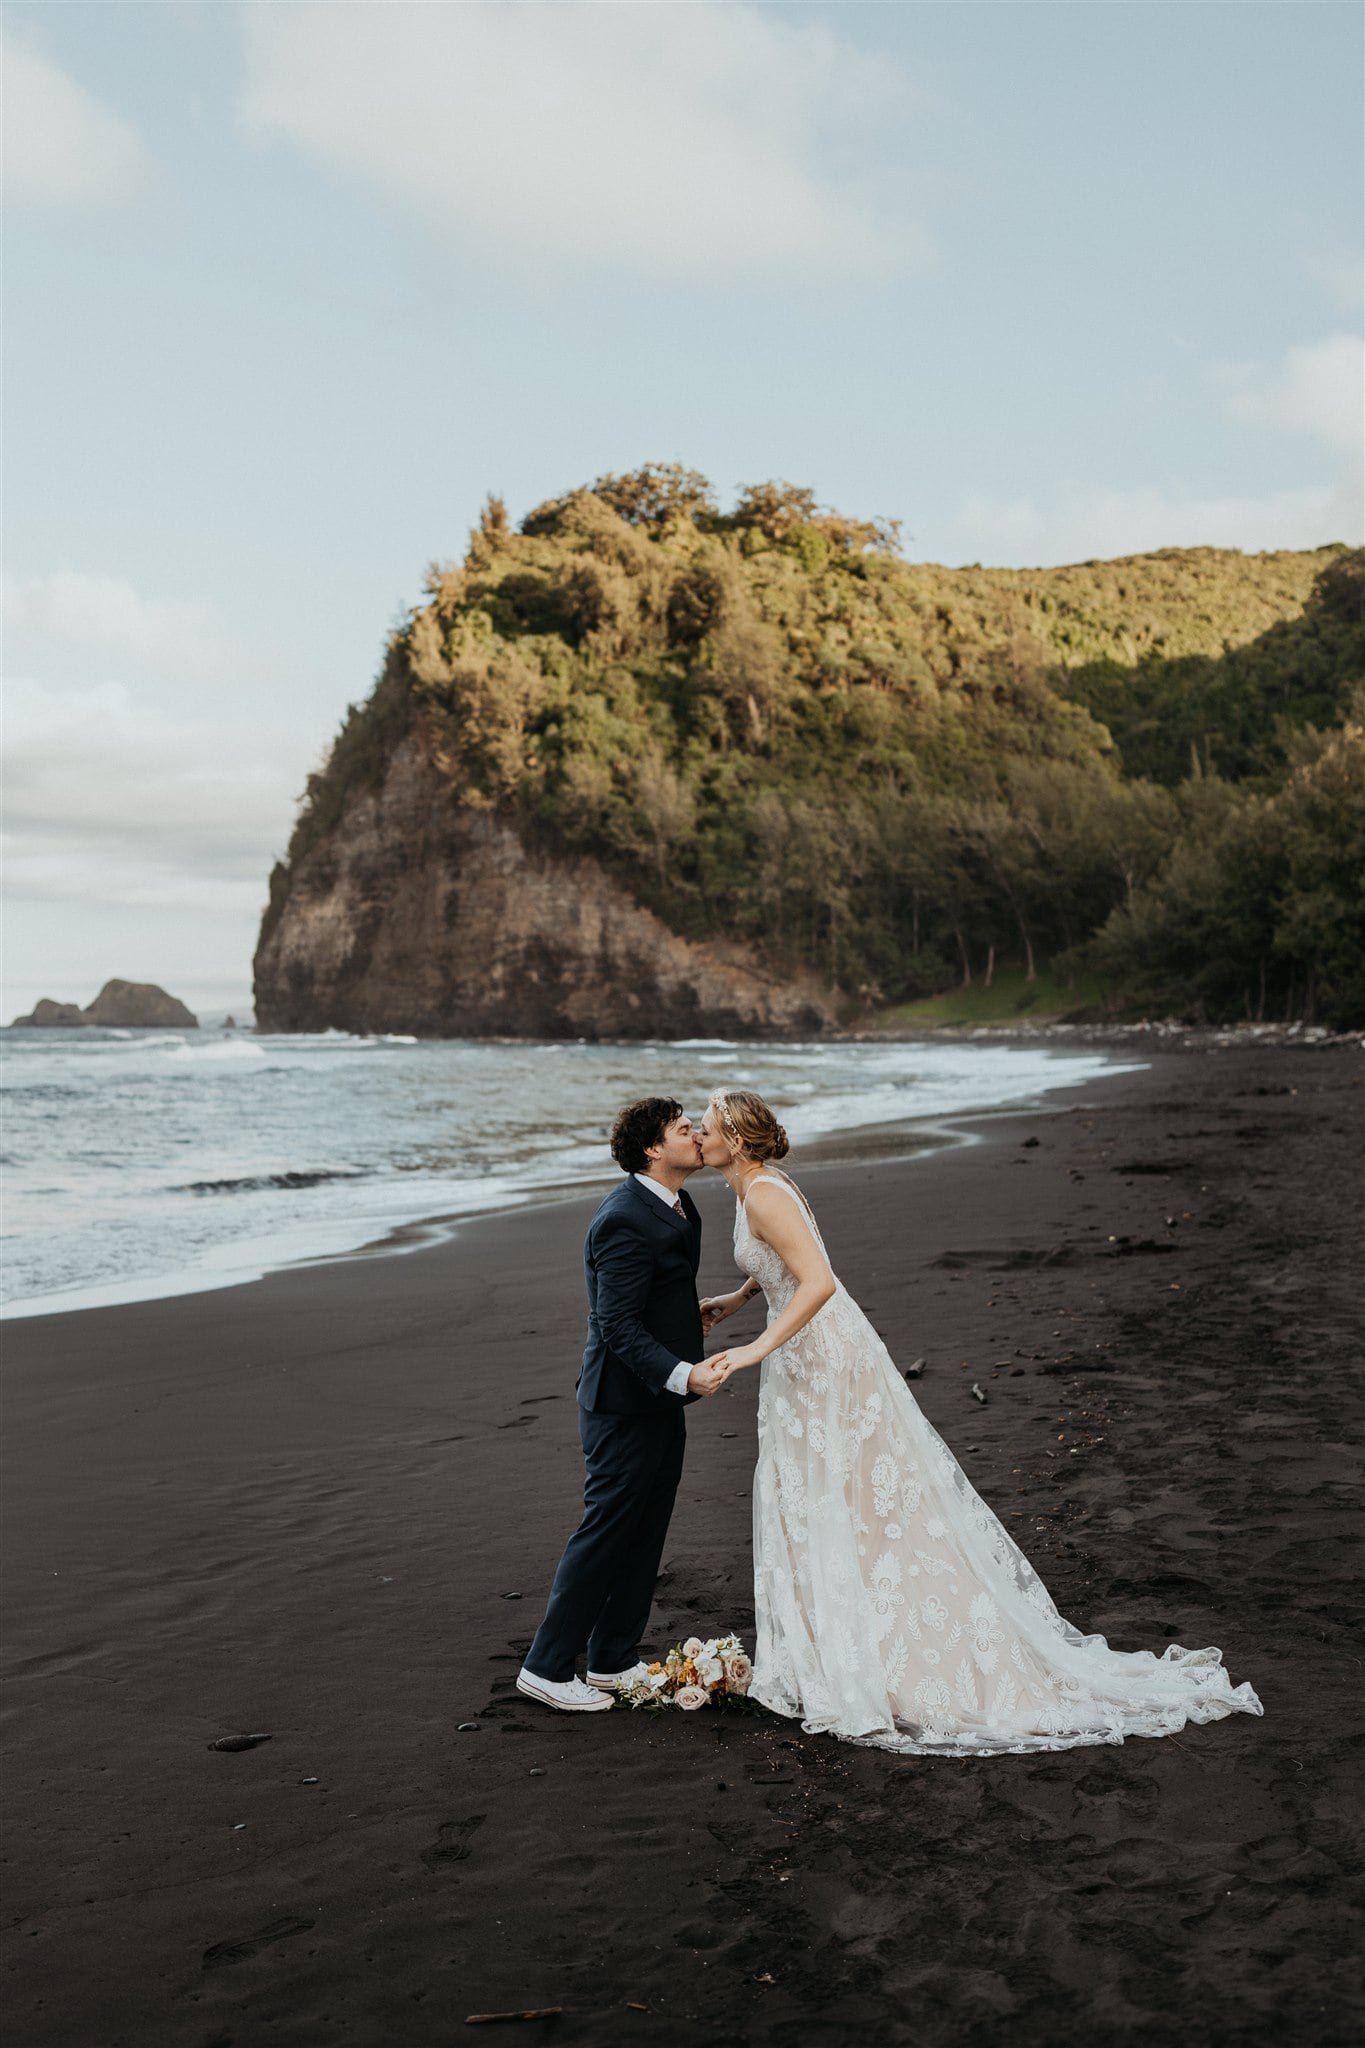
[[326, 1506]]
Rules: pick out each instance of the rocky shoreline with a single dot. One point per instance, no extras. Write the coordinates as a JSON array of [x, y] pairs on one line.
[[1161, 1034]]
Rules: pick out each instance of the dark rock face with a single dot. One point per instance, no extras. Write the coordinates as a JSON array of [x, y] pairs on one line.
[[129, 1005], [139, 1004], [62, 1015], [418, 915]]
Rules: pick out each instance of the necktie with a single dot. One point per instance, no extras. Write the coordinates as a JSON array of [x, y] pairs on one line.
[[678, 1209]]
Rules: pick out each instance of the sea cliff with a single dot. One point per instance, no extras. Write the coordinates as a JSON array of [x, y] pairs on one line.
[[414, 913], [642, 766]]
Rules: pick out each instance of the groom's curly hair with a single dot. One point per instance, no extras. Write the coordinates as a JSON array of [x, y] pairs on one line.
[[638, 1126]]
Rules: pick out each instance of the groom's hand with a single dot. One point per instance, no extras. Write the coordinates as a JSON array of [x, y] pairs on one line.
[[705, 1377]]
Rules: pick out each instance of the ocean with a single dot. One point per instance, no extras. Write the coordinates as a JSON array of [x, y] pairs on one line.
[[146, 1163]]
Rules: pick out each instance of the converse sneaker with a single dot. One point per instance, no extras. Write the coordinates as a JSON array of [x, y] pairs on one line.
[[570, 1695], [607, 1681]]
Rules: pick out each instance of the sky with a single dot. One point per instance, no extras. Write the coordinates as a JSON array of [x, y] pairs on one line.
[[290, 288]]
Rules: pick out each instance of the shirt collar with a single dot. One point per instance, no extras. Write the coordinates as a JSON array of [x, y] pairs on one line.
[[656, 1188]]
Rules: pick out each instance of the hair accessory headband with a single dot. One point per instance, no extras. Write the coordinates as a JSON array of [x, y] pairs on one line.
[[723, 1113]]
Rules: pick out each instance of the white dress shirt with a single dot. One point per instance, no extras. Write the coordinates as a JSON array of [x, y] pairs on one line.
[[676, 1383]]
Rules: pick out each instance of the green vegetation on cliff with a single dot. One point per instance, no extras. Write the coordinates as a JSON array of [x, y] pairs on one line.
[[779, 733]]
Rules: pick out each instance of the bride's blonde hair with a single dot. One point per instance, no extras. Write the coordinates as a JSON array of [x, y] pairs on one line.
[[748, 1122]]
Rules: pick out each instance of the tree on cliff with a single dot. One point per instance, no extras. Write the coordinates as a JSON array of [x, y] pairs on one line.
[[778, 733]]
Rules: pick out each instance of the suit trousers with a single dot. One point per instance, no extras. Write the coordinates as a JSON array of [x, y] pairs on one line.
[[604, 1587]]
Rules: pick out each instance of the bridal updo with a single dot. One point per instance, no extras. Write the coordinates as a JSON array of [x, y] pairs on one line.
[[747, 1121]]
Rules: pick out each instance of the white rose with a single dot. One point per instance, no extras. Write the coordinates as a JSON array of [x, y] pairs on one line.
[[690, 1697], [692, 1647]]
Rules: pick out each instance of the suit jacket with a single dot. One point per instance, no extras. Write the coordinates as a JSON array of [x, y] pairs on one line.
[[640, 1262]]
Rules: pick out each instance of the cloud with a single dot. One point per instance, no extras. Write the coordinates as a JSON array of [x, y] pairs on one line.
[[64, 152], [1317, 393], [156, 770], [137, 839], [107, 615], [1080, 523], [109, 799], [668, 143]]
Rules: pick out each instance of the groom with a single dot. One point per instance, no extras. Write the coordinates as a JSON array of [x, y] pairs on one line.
[[642, 1363]]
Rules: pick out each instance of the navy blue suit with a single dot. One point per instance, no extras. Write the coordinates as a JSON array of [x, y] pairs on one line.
[[640, 1263]]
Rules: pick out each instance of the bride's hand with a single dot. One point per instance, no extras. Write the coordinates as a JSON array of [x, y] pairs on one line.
[[716, 1308], [740, 1356]]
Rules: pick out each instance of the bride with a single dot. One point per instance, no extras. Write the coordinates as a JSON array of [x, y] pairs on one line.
[[892, 1607]]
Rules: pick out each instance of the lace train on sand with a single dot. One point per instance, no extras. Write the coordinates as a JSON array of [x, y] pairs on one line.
[[893, 1608]]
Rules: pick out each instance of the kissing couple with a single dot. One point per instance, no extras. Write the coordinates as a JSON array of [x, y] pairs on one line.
[[892, 1608]]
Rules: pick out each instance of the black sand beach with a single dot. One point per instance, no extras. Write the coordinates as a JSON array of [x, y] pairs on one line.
[[326, 1506]]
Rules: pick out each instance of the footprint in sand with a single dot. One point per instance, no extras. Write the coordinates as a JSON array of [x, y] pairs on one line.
[[251, 1944], [454, 1840]]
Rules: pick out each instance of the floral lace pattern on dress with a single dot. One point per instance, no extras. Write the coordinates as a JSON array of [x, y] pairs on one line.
[[893, 1607]]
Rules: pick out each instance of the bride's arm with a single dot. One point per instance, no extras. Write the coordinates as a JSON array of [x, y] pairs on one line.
[[780, 1222], [716, 1307]]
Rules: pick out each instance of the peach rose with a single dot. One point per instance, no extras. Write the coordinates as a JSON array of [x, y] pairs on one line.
[[690, 1697], [738, 1672]]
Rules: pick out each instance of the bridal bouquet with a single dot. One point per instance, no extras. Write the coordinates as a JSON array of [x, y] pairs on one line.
[[692, 1675]]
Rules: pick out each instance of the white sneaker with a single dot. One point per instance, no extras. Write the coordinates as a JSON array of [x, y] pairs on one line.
[[570, 1695], [607, 1681]]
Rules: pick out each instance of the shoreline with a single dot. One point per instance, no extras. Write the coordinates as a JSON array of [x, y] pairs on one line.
[[326, 1240], [327, 1507], [1167, 1032]]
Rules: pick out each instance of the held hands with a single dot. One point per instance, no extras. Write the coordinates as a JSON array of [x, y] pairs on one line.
[[711, 1373], [738, 1357], [706, 1376]]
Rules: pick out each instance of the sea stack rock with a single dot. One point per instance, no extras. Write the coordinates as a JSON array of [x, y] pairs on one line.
[[139, 1006], [59, 1015], [124, 1005]]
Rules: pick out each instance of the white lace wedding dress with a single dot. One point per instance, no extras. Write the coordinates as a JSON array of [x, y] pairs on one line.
[[892, 1607]]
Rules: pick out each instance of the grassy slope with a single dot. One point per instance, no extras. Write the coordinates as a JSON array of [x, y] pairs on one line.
[[1010, 999]]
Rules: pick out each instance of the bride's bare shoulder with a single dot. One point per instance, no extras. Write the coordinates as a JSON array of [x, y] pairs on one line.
[[775, 1197]]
